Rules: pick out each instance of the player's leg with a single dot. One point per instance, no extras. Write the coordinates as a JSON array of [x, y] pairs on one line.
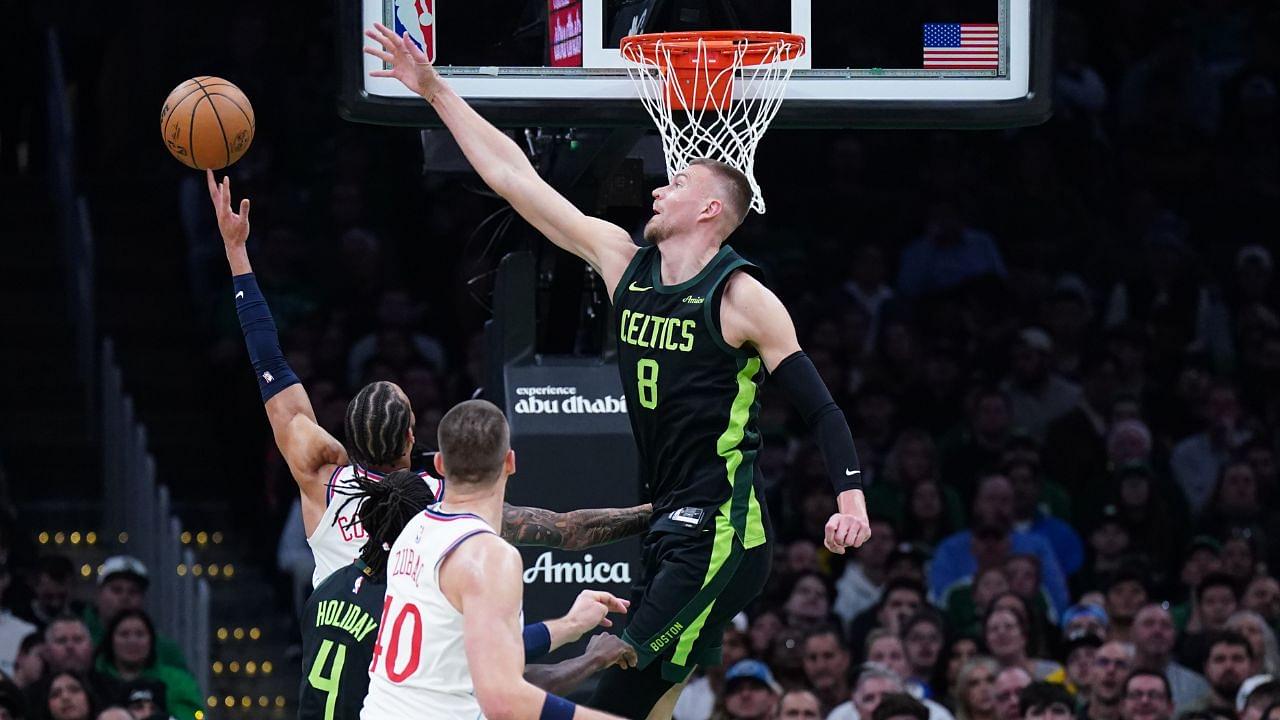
[[666, 705], [699, 584], [631, 693]]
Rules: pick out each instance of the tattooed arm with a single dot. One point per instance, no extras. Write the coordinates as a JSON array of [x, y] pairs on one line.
[[574, 530]]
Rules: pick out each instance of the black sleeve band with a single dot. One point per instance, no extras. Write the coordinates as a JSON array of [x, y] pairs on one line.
[[797, 376]]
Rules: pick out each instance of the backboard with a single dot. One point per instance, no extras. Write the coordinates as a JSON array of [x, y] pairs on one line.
[[932, 63]]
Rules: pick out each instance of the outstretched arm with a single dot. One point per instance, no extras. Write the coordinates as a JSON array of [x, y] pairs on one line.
[[310, 451], [503, 165], [603, 650], [574, 530], [750, 313]]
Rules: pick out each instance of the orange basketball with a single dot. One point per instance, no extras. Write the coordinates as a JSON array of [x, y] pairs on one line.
[[206, 123]]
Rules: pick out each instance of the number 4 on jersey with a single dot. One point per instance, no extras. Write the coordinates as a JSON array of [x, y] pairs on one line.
[[328, 684]]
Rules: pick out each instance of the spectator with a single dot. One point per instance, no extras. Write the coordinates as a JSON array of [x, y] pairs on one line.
[[1240, 554], [145, 698], [1262, 595], [900, 706], [959, 652], [698, 700], [122, 585], [993, 538], [872, 684], [866, 287], [949, 254], [1045, 701], [1227, 666], [809, 604], [12, 630], [1252, 702], [901, 599], [1151, 508], [1197, 460], [1216, 598], [1030, 516], [863, 579], [1262, 639], [968, 599], [974, 691], [1111, 666], [128, 652], [1147, 696], [798, 705], [52, 596], [928, 517], [912, 462], [29, 665], [115, 712], [12, 704], [977, 446], [1153, 639], [1126, 593], [1085, 618], [1075, 448], [1079, 653], [1236, 500], [885, 648], [1023, 572], [750, 692], [1006, 635], [826, 667], [1037, 394], [764, 628], [923, 635], [1010, 682], [66, 695]]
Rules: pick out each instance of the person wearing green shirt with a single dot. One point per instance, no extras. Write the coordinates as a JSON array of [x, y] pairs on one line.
[[128, 652]]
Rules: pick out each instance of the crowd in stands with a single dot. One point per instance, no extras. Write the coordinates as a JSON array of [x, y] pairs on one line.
[[62, 659]]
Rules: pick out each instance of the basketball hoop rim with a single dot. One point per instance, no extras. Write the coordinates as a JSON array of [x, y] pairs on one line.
[[758, 44]]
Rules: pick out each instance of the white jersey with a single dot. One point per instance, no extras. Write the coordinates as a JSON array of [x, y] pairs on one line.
[[336, 541], [419, 661]]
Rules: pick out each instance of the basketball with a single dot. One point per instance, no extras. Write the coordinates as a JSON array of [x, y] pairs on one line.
[[207, 123]]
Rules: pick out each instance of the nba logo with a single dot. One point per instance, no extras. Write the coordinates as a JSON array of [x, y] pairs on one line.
[[418, 17]]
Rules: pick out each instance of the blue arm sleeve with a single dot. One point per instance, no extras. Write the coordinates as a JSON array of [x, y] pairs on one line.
[[261, 338], [537, 641]]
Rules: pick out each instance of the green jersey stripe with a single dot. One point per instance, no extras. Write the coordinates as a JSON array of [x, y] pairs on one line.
[[746, 521]]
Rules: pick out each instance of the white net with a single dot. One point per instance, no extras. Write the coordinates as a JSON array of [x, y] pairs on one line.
[[700, 117]]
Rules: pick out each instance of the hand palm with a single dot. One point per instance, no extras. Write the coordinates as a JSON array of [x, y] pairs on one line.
[[408, 63]]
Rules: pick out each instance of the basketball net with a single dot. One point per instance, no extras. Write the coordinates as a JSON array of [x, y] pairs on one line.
[[712, 94]]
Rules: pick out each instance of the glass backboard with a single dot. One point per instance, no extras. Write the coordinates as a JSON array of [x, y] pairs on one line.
[[957, 63]]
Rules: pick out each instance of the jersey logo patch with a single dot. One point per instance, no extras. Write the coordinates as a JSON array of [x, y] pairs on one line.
[[636, 288], [693, 300]]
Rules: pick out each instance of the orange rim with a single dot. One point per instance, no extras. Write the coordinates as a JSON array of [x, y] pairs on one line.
[[759, 43]]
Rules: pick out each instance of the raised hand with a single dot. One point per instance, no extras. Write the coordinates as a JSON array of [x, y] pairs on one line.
[[408, 64], [233, 226], [591, 608]]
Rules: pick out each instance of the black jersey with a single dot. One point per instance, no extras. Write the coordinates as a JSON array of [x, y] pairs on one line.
[[339, 626], [692, 398]]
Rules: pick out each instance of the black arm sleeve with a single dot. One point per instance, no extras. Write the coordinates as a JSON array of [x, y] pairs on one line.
[[797, 376]]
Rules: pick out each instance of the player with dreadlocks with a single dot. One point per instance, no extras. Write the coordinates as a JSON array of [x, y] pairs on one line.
[[341, 618], [379, 432]]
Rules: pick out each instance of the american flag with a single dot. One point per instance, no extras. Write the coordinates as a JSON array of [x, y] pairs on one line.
[[961, 46]]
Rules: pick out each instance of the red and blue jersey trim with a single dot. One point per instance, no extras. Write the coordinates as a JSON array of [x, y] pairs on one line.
[[331, 486]]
